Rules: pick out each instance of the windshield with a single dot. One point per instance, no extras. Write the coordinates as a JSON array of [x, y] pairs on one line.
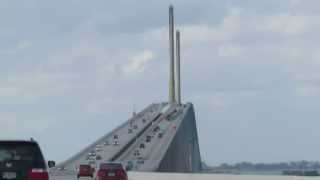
[[110, 166], [22, 152]]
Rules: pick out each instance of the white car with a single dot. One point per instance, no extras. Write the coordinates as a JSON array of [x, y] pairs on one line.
[[116, 143], [106, 143]]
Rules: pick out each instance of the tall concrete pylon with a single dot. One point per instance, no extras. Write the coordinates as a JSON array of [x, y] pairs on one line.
[[172, 98], [178, 82]]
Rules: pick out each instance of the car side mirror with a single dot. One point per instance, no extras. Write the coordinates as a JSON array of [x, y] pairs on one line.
[[51, 164]]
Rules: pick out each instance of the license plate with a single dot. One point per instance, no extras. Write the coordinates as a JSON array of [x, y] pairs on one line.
[[9, 175], [111, 174]]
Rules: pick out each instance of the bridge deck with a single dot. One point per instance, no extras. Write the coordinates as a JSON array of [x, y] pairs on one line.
[[141, 143]]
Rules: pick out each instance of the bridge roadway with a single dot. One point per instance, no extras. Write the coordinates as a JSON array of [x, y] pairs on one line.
[[141, 141], [168, 176], [161, 133]]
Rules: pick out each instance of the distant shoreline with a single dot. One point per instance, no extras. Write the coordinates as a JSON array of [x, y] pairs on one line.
[[298, 168]]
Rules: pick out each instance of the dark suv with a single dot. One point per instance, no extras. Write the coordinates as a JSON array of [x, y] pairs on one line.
[[22, 160]]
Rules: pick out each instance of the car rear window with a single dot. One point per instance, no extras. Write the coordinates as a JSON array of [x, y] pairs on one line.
[[85, 166], [27, 152], [110, 166]]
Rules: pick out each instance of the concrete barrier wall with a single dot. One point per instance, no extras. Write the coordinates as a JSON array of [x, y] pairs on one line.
[[183, 154]]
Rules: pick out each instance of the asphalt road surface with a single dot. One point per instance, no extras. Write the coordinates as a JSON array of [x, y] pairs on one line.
[[165, 176]]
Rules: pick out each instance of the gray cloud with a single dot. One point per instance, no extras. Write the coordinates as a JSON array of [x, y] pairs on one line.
[[250, 68]]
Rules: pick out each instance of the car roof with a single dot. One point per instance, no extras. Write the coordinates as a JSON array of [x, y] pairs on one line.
[[111, 165], [17, 141]]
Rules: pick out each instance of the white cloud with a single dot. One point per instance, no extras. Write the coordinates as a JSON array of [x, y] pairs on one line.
[[204, 33], [201, 33], [229, 50], [6, 92], [288, 24], [21, 45], [24, 44], [295, 2], [216, 102], [138, 63], [18, 125], [308, 90], [31, 87]]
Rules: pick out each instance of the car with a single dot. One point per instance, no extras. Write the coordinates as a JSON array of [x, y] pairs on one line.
[[140, 160], [115, 136], [98, 149], [106, 143], [62, 168], [116, 143], [85, 170], [92, 153], [142, 146], [98, 157], [135, 127], [111, 171], [156, 129], [136, 153], [148, 138], [90, 157], [160, 135], [22, 159], [131, 123]]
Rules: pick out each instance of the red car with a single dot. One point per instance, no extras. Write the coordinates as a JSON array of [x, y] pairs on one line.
[[111, 171], [85, 170]]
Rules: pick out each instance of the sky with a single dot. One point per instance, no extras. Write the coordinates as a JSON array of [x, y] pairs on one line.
[[71, 71]]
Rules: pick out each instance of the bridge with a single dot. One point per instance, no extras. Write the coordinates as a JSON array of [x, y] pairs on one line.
[[161, 138], [160, 142]]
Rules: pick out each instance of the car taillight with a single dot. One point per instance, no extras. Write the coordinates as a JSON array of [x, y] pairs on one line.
[[38, 174], [102, 173], [120, 173]]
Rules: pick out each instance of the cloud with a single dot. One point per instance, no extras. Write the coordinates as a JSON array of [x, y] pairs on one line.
[[204, 33], [24, 44], [308, 90], [19, 47], [16, 127], [245, 65], [229, 50], [295, 2], [138, 63], [288, 24], [7, 91]]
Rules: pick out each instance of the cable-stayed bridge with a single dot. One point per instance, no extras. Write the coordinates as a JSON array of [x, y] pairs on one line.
[[162, 137]]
